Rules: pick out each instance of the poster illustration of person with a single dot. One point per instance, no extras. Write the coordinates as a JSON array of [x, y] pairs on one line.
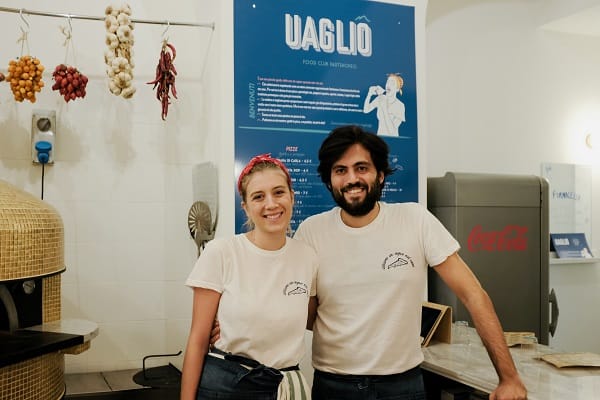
[[390, 110]]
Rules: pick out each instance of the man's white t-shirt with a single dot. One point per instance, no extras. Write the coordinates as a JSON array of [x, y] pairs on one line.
[[371, 286], [264, 297]]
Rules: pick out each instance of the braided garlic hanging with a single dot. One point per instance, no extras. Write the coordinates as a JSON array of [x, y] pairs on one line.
[[119, 55]]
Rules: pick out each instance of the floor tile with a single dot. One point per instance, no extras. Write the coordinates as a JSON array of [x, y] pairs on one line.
[[86, 383], [121, 380]]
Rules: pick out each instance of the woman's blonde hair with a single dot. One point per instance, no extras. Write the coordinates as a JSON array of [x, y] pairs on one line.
[[399, 81]]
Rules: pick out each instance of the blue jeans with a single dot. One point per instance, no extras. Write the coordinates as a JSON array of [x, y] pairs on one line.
[[405, 386], [228, 380]]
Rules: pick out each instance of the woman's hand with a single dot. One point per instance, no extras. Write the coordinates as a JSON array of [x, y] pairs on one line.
[[376, 90]]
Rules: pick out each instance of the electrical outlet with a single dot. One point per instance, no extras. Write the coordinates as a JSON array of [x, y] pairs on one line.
[[43, 136]]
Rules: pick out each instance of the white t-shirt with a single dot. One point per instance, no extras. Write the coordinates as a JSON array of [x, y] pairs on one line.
[[371, 286], [264, 296]]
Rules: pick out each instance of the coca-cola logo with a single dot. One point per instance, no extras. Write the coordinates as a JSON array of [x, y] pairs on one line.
[[511, 238]]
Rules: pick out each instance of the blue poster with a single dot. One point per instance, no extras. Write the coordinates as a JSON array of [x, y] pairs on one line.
[[305, 67]]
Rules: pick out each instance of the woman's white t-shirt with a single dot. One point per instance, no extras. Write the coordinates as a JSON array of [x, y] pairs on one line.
[[264, 296]]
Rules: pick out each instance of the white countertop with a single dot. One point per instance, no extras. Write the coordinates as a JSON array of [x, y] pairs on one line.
[[470, 365], [85, 328]]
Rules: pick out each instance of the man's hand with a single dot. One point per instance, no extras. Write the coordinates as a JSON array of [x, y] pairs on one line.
[[215, 333], [510, 391]]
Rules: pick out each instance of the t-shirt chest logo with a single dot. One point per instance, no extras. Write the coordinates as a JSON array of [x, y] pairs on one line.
[[295, 288], [397, 260]]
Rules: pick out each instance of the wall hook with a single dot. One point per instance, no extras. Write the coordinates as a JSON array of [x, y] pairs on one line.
[[70, 26], [67, 30], [165, 38], [25, 21], [24, 33]]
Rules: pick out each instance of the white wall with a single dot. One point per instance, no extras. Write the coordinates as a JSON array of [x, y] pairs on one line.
[[505, 96], [502, 96], [122, 177]]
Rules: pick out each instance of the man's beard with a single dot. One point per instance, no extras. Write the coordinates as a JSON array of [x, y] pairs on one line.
[[358, 208]]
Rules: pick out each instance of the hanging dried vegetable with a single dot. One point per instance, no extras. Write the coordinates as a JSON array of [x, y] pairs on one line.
[[25, 78], [164, 81], [69, 82], [119, 55]]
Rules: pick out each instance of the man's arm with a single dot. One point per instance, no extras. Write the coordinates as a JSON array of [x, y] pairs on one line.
[[461, 280]]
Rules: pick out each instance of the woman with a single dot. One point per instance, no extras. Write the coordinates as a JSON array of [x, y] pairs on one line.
[[258, 284], [390, 110]]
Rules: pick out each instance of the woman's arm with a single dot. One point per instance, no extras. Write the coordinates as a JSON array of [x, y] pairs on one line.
[[394, 115], [206, 303], [369, 104]]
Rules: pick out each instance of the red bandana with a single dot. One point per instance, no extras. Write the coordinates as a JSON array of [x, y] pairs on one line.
[[262, 158]]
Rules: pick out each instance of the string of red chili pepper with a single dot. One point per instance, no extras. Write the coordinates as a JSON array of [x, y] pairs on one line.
[[164, 81]]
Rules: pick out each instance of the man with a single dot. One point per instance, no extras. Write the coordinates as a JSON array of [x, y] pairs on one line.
[[373, 261]]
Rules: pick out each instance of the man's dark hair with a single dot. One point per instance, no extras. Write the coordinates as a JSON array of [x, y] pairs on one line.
[[341, 139]]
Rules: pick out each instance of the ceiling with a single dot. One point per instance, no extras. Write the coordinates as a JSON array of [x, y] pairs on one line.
[[586, 22]]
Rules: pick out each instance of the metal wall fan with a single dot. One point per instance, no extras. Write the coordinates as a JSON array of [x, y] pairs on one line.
[[201, 225]]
